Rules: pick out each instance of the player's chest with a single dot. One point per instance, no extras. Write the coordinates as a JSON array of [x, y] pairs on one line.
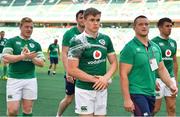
[[167, 48], [2, 43], [19, 45]]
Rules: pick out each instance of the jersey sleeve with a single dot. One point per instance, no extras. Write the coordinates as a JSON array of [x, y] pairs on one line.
[[159, 59], [8, 48], [126, 55], [110, 48], [39, 52], [66, 39], [175, 46], [76, 48]]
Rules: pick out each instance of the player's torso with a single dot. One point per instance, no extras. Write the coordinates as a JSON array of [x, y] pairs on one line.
[[54, 49], [94, 55], [168, 49], [2, 44], [19, 44]]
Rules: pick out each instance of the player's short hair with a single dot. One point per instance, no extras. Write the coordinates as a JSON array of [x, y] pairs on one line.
[[24, 20], [140, 16], [79, 12], [91, 11], [2, 31], [163, 20]]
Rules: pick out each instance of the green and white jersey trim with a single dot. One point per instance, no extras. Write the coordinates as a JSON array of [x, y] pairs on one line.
[[41, 55], [7, 50], [82, 44]]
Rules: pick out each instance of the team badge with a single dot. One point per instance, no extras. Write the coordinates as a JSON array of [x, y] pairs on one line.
[[101, 41], [172, 44], [31, 45], [168, 53], [97, 54]]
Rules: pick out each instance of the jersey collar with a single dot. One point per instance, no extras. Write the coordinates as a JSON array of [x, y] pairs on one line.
[[88, 35], [140, 43], [163, 38], [24, 38]]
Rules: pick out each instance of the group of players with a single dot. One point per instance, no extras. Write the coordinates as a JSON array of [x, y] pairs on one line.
[[143, 67]]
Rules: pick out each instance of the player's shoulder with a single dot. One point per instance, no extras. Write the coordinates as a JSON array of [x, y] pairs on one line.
[[172, 40], [34, 42], [71, 30], [12, 39], [102, 35], [155, 38]]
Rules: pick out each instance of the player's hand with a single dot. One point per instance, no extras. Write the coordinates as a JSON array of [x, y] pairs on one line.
[[157, 86], [101, 83], [70, 79], [129, 105], [5, 61], [174, 90], [25, 50], [30, 55]]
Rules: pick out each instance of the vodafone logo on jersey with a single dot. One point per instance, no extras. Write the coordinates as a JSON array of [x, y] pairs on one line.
[[97, 54], [168, 53]]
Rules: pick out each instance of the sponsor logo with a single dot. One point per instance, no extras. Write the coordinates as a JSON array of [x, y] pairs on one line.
[[167, 58], [18, 43], [168, 53], [145, 114], [101, 41], [83, 108], [138, 49], [10, 96], [97, 54], [97, 61], [161, 44]]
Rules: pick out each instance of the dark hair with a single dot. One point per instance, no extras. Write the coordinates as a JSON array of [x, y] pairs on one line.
[[140, 16], [24, 20], [79, 12], [162, 20], [2, 31], [91, 11]]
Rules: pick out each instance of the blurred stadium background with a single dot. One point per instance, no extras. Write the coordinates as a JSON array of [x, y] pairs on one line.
[[53, 17]]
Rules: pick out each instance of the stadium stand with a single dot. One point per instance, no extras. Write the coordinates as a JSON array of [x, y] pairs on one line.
[[117, 14]]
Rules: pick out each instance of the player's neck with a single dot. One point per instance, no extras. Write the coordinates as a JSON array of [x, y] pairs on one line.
[[94, 35], [143, 39], [25, 37], [164, 36], [80, 28]]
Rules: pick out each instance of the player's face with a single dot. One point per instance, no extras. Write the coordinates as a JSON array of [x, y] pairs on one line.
[[92, 23], [80, 20], [166, 28], [141, 27], [2, 34], [26, 29]]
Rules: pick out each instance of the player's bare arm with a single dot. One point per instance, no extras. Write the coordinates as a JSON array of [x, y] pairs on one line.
[[175, 68], [76, 72], [165, 77], [124, 70], [102, 83], [64, 61]]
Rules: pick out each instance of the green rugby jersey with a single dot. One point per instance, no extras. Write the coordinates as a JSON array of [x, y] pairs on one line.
[[2, 44], [92, 54], [168, 48], [141, 78], [69, 35], [24, 69], [54, 50]]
